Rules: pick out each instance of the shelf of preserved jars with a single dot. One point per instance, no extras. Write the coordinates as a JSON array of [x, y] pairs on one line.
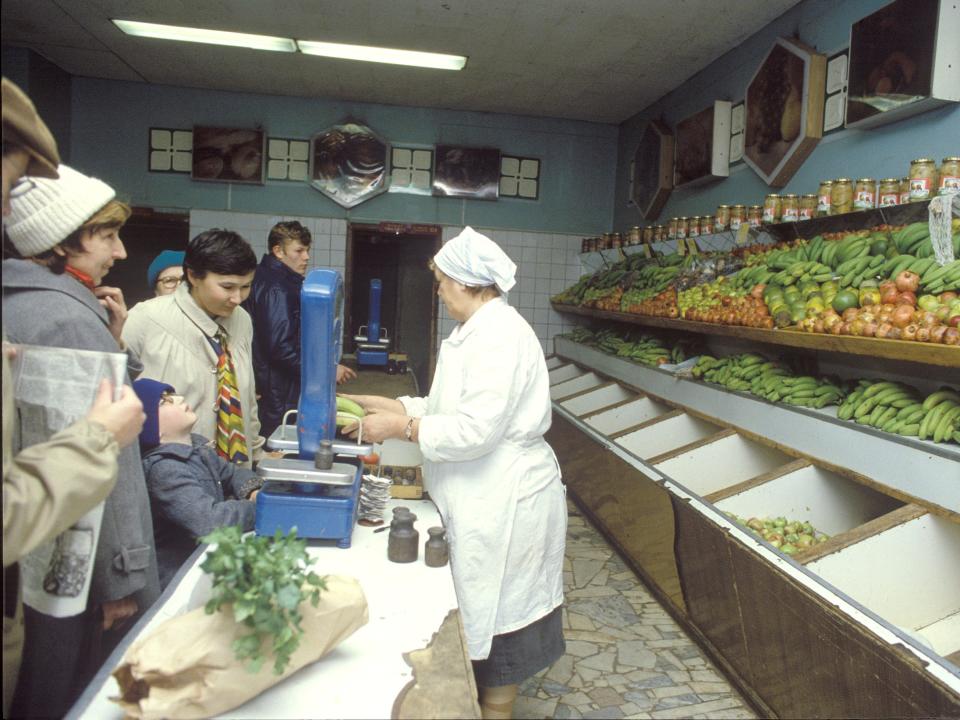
[[930, 354], [861, 623]]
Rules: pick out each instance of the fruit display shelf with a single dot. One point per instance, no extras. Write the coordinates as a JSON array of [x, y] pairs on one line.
[[669, 469], [927, 353]]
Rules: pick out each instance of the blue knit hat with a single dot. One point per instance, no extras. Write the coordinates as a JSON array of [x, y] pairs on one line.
[[149, 392], [168, 258]]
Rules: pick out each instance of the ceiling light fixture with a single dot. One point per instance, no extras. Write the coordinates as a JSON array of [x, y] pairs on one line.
[[210, 37], [383, 55]]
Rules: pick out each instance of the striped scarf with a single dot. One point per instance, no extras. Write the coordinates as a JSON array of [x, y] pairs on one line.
[[231, 442]]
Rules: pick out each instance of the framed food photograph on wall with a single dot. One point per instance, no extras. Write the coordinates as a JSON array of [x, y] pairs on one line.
[[652, 170], [228, 155], [349, 163], [466, 172], [904, 59], [784, 110], [703, 145]]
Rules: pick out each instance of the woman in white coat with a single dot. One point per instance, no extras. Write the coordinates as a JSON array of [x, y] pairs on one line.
[[487, 467]]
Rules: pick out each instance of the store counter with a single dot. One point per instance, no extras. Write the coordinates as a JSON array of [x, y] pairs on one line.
[[376, 672]]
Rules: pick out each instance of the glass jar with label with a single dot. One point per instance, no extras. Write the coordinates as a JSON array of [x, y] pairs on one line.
[[771, 208], [616, 240], [950, 176], [659, 233], [633, 237], [683, 226], [923, 179], [841, 196], [824, 195], [722, 219], [755, 215], [738, 216], [672, 228], [647, 234], [865, 194], [790, 208], [904, 190], [693, 227], [707, 225], [808, 207], [889, 193]]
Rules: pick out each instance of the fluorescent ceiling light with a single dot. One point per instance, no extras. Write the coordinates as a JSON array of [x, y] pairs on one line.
[[211, 37], [383, 55]]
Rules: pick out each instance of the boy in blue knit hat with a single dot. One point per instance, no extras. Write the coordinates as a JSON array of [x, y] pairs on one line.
[[192, 489]]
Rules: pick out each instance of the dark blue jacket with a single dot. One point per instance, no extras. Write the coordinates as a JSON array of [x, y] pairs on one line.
[[274, 307], [192, 492]]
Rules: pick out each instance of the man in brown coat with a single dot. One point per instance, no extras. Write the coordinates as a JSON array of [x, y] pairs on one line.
[[49, 486]]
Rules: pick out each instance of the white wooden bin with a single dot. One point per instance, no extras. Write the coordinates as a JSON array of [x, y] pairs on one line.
[[598, 399], [633, 413], [578, 384], [666, 435], [565, 372]]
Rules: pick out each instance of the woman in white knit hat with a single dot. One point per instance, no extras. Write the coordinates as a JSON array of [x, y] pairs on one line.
[[489, 470], [66, 231]]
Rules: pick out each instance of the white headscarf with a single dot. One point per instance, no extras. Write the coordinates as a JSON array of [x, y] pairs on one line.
[[474, 259]]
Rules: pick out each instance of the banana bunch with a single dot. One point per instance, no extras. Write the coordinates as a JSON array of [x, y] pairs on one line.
[[648, 282], [734, 372], [941, 423], [802, 270], [748, 277], [574, 294], [580, 335], [911, 238], [646, 350], [348, 411], [853, 272], [781, 259], [776, 384], [936, 279], [853, 246], [885, 405]]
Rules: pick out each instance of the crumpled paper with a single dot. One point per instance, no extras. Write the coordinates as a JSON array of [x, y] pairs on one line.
[[185, 668]]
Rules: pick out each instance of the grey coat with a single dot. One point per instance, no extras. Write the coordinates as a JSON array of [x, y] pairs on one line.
[[193, 491], [41, 308]]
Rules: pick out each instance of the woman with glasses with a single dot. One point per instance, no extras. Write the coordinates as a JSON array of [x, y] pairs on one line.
[[192, 489], [165, 272], [66, 232]]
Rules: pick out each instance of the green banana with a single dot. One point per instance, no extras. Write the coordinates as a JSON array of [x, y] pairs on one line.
[[346, 405]]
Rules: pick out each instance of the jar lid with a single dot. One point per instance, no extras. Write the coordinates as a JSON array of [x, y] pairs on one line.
[[921, 160], [950, 159], [866, 180], [843, 180], [722, 206], [681, 219], [695, 217], [756, 207], [739, 206], [809, 195], [790, 195], [773, 195], [890, 180], [826, 182]]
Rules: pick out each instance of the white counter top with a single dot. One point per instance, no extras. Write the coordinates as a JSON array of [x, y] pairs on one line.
[[363, 675]]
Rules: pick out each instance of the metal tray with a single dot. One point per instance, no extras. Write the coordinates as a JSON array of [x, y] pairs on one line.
[[303, 471]]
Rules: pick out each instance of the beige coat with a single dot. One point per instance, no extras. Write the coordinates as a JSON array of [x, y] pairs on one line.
[[171, 335], [46, 488]]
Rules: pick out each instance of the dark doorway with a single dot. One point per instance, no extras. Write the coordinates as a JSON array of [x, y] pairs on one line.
[[145, 235], [408, 304]]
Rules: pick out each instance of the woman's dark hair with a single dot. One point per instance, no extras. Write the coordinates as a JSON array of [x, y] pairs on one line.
[[218, 251]]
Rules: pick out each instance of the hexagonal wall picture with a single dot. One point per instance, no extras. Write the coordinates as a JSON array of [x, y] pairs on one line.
[[349, 163], [784, 110]]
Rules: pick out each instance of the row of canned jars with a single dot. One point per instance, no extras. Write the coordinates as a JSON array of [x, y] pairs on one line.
[[677, 228]]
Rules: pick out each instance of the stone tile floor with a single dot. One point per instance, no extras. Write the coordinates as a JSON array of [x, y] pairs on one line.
[[626, 657]]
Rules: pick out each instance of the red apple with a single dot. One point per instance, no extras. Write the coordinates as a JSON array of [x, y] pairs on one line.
[[907, 280]]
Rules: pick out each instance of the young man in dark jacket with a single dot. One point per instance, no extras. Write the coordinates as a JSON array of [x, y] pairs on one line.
[[274, 307]]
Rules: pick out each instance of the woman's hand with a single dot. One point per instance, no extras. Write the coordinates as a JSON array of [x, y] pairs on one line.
[[117, 612], [345, 374], [379, 426], [376, 403], [111, 299]]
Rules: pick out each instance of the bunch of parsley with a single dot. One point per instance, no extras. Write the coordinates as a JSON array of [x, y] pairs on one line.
[[264, 580]]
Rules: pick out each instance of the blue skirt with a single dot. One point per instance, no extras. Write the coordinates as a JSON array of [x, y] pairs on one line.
[[517, 655]]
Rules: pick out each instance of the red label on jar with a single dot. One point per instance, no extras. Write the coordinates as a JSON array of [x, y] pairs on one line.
[[823, 203], [920, 188], [864, 200], [806, 213], [888, 199], [789, 215], [949, 184]]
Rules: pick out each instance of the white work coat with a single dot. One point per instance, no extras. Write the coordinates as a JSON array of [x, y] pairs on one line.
[[493, 477]]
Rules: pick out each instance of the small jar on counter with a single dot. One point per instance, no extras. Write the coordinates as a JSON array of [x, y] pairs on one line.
[[923, 179], [738, 216], [755, 215], [841, 196], [693, 228], [647, 234], [771, 208], [889, 193], [672, 228], [904, 190], [616, 240], [683, 227], [949, 176], [722, 218], [808, 207], [824, 197], [865, 194], [707, 225], [633, 237], [790, 208], [659, 233]]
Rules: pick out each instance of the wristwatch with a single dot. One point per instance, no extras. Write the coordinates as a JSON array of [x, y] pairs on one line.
[[408, 430]]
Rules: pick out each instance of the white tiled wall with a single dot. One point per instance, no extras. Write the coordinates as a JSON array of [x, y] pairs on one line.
[[546, 262]]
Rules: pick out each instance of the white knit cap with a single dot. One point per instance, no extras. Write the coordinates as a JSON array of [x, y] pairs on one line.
[[44, 212], [474, 259]]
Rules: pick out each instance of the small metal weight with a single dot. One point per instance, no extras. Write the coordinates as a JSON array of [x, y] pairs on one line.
[[403, 543], [435, 551]]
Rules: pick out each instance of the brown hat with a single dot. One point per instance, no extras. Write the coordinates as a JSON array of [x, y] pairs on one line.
[[22, 126]]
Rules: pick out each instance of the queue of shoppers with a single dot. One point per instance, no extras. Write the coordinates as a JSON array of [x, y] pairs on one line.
[[214, 359]]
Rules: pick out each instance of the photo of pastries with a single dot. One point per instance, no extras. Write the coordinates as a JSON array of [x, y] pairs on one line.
[[228, 155]]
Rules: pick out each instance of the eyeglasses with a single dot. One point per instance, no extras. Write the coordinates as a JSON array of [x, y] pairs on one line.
[[170, 282], [171, 399]]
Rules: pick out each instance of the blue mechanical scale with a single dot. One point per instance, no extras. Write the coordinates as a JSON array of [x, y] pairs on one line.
[[316, 495]]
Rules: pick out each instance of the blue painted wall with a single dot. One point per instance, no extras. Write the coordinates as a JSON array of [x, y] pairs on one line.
[[111, 121], [881, 152]]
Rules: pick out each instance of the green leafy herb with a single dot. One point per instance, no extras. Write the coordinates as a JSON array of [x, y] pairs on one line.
[[265, 580]]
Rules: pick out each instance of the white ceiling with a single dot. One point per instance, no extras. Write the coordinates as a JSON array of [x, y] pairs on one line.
[[596, 60]]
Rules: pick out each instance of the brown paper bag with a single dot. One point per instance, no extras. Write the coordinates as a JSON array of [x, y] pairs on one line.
[[185, 668]]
